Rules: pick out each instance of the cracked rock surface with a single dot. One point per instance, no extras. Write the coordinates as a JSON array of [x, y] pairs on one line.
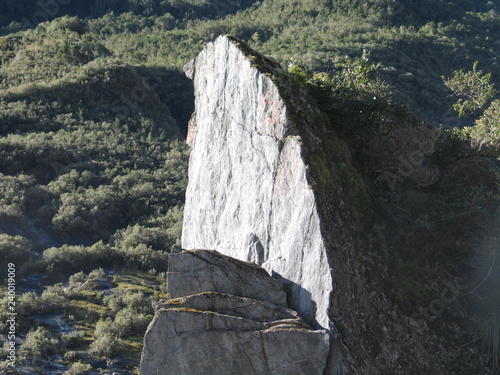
[[248, 195], [232, 319]]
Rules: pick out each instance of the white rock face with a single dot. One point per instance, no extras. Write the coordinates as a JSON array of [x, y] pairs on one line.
[[248, 195]]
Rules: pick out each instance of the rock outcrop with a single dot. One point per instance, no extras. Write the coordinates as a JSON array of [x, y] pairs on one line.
[[229, 317], [248, 195], [270, 182]]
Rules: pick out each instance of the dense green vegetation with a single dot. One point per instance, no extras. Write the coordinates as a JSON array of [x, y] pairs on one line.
[[94, 106], [87, 145], [110, 314], [416, 41], [92, 173]]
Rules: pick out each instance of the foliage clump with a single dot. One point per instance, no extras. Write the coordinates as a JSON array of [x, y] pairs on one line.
[[15, 249], [78, 368], [474, 89], [40, 343], [392, 145]]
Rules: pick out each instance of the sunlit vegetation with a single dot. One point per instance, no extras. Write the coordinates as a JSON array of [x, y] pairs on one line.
[[416, 42], [109, 312]]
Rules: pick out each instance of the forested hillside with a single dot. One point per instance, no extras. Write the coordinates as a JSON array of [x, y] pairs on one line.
[[415, 41], [94, 108]]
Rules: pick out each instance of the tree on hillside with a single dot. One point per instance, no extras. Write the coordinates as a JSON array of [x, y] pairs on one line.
[[476, 94], [473, 88]]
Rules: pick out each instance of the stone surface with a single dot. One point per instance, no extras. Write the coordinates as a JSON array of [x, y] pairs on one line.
[[235, 305], [217, 348], [217, 333], [248, 195], [193, 272]]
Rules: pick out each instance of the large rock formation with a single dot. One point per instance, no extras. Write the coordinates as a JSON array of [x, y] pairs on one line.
[[270, 182], [248, 195], [228, 317]]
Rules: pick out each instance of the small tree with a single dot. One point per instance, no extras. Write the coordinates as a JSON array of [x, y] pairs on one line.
[[107, 345], [78, 368], [474, 90], [74, 24], [73, 339], [360, 74], [15, 249], [477, 95], [486, 132], [40, 343]]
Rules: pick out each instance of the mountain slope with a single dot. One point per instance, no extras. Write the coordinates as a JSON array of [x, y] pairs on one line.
[[416, 42]]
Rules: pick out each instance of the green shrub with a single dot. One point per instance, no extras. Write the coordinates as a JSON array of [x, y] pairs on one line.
[[74, 24], [15, 249], [129, 322], [105, 327], [13, 189], [474, 89], [96, 274], [161, 233], [485, 134], [126, 323], [70, 356], [114, 302], [73, 339], [53, 299], [106, 345], [136, 301], [78, 278], [68, 258], [28, 304], [78, 368], [40, 343], [144, 258], [155, 238], [139, 302]]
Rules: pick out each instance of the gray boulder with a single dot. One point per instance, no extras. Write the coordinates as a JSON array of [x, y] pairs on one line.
[[239, 325], [193, 272]]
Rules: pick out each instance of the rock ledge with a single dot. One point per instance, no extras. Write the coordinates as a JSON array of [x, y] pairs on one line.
[[228, 317]]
